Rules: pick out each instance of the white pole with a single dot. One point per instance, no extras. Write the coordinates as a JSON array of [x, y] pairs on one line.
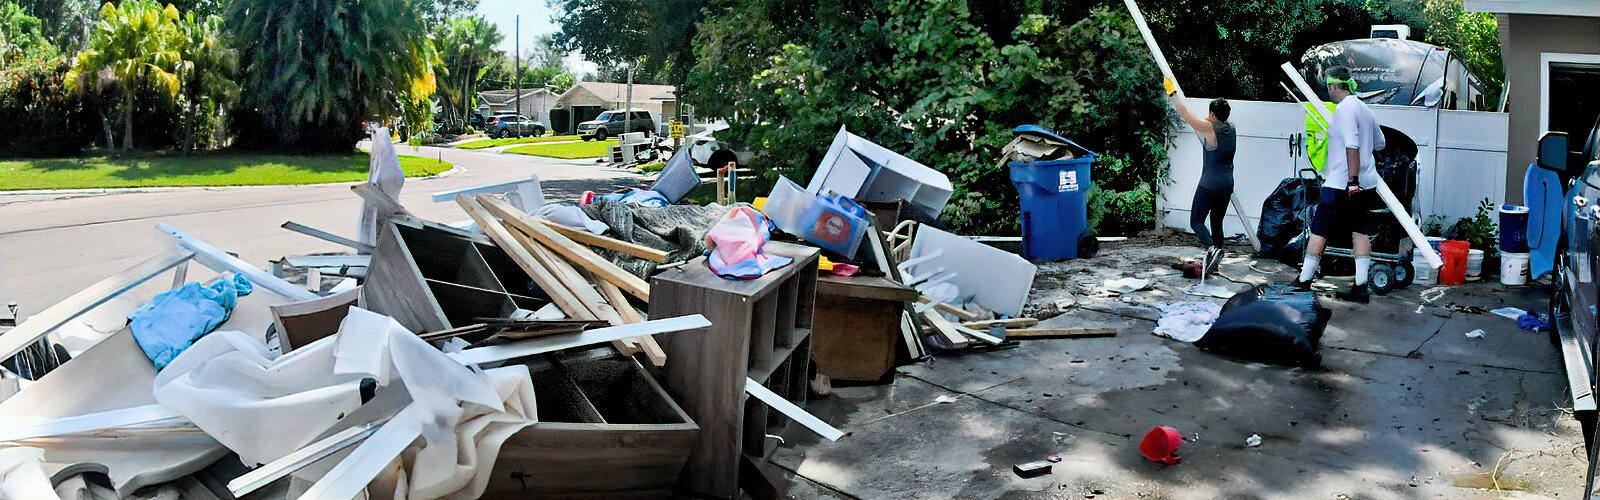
[[1398, 210], [1166, 71]]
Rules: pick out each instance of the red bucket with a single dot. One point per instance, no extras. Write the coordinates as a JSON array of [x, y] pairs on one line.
[[1161, 445], [1454, 253]]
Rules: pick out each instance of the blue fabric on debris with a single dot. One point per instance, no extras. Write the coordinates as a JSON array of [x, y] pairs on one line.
[[641, 197], [1533, 323], [174, 319]]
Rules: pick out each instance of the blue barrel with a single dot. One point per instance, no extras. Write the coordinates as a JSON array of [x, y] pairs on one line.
[[1513, 228], [1055, 201]]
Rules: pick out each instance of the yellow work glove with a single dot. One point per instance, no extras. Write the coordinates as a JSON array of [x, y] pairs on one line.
[[1171, 86]]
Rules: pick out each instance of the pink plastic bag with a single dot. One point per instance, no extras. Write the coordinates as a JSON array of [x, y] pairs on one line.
[[735, 244]]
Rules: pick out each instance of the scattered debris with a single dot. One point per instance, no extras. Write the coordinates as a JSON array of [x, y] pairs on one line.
[[944, 399], [1032, 469], [1186, 321], [1475, 334], [1253, 441], [1124, 285]]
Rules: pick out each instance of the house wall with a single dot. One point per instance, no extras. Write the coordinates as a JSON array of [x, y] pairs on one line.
[[1525, 38]]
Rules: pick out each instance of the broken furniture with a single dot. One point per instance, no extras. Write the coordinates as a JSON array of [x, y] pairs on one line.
[[761, 330], [864, 171], [857, 326], [301, 323], [995, 279], [431, 278], [606, 429]]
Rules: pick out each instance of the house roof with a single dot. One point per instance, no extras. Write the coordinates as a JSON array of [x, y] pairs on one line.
[[498, 97], [618, 92], [1575, 8]]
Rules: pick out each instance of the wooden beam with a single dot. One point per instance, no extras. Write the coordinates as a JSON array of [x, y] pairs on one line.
[[956, 311], [596, 240], [1059, 333], [1004, 323], [573, 252], [945, 328], [36, 326], [480, 355], [546, 280], [792, 411], [630, 315], [219, 260]]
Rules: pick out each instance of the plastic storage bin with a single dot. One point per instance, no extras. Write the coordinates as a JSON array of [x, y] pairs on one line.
[[1513, 228], [678, 178], [1454, 253], [1055, 196]]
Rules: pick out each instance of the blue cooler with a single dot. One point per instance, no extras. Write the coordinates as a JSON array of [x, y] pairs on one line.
[[1513, 228], [1055, 202]]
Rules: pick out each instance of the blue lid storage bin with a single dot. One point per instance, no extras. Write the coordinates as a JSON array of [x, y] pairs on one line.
[[1054, 195]]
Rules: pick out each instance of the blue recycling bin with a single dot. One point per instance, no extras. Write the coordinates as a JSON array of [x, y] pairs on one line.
[[1055, 201]]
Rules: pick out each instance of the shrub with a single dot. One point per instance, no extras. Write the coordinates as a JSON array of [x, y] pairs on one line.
[[38, 117]]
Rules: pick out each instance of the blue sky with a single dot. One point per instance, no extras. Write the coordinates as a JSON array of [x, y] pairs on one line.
[[536, 20]]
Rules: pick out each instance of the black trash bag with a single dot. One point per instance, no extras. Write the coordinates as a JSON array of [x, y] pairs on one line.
[[1271, 324], [1284, 217]]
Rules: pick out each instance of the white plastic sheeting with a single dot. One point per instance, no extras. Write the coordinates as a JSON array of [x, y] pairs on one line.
[[22, 475], [264, 407], [383, 172]]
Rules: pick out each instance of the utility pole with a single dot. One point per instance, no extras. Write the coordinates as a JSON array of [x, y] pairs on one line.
[[627, 113], [517, 74]]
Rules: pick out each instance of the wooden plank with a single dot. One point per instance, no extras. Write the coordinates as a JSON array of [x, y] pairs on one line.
[[513, 350], [789, 409], [945, 328], [1059, 333], [36, 326], [1004, 323], [547, 280], [630, 315], [956, 311], [577, 254], [327, 236], [596, 240]]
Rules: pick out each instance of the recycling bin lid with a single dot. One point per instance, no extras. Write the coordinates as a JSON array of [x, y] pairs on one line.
[[1036, 130]]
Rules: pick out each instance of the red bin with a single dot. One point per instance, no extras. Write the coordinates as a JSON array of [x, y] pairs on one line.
[[1454, 253]]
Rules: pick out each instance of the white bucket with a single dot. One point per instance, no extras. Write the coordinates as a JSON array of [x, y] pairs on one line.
[[1513, 268], [1424, 274], [1474, 263]]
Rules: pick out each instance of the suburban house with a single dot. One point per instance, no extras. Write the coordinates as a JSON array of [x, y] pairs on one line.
[[533, 103], [586, 100], [1551, 50]]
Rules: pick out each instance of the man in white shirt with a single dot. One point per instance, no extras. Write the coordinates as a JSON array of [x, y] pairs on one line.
[[1350, 187]]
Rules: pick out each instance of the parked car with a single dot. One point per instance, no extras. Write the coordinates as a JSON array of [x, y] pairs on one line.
[[706, 151], [1573, 291], [611, 124], [476, 121], [504, 126]]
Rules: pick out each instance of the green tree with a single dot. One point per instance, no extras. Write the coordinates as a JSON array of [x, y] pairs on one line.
[[1475, 36], [315, 69], [658, 35], [206, 68], [133, 45], [67, 23], [21, 35], [467, 47]]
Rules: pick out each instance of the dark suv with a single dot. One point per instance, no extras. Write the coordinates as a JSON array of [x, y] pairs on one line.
[[611, 123], [504, 126]]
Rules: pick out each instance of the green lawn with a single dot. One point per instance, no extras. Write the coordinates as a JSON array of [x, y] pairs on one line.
[[205, 169], [489, 143], [567, 150]]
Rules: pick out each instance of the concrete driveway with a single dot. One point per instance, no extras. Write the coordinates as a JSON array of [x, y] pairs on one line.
[[54, 244]]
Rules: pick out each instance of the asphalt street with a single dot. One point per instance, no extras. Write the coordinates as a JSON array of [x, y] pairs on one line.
[[53, 244]]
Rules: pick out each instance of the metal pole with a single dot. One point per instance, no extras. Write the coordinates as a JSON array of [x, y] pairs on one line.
[[517, 74], [627, 113]]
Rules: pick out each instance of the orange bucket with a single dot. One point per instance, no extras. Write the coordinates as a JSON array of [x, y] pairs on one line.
[[1454, 253]]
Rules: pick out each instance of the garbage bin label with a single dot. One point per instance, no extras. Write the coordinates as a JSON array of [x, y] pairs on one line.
[[1069, 181]]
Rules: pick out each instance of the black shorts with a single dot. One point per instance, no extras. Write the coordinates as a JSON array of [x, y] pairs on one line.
[[1339, 214]]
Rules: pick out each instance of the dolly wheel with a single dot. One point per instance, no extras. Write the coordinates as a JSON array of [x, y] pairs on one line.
[[1381, 279], [1088, 246], [1404, 274]]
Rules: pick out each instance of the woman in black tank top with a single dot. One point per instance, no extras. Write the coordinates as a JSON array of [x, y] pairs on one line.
[[1211, 196]]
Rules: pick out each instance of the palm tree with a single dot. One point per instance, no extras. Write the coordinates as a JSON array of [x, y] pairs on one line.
[[314, 69], [132, 45], [466, 44], [206, 69]]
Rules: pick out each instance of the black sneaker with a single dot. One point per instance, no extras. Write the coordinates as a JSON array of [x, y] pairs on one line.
[[1357, 294], [1213, 259], [1304, 286]]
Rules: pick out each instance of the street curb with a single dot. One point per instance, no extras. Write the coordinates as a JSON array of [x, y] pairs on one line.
[[454, 169]]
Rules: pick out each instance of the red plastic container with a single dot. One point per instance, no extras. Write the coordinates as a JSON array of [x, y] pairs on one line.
[[1161, 445], [1454, 253]]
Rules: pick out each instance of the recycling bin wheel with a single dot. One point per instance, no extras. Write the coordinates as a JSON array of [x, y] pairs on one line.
[[1381, 279], [1088, 246]]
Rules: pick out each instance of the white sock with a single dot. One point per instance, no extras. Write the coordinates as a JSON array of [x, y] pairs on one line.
[[1363, 268], [1308, 270]]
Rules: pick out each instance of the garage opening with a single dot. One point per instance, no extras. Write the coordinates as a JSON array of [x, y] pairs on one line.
[[1571, 103]]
